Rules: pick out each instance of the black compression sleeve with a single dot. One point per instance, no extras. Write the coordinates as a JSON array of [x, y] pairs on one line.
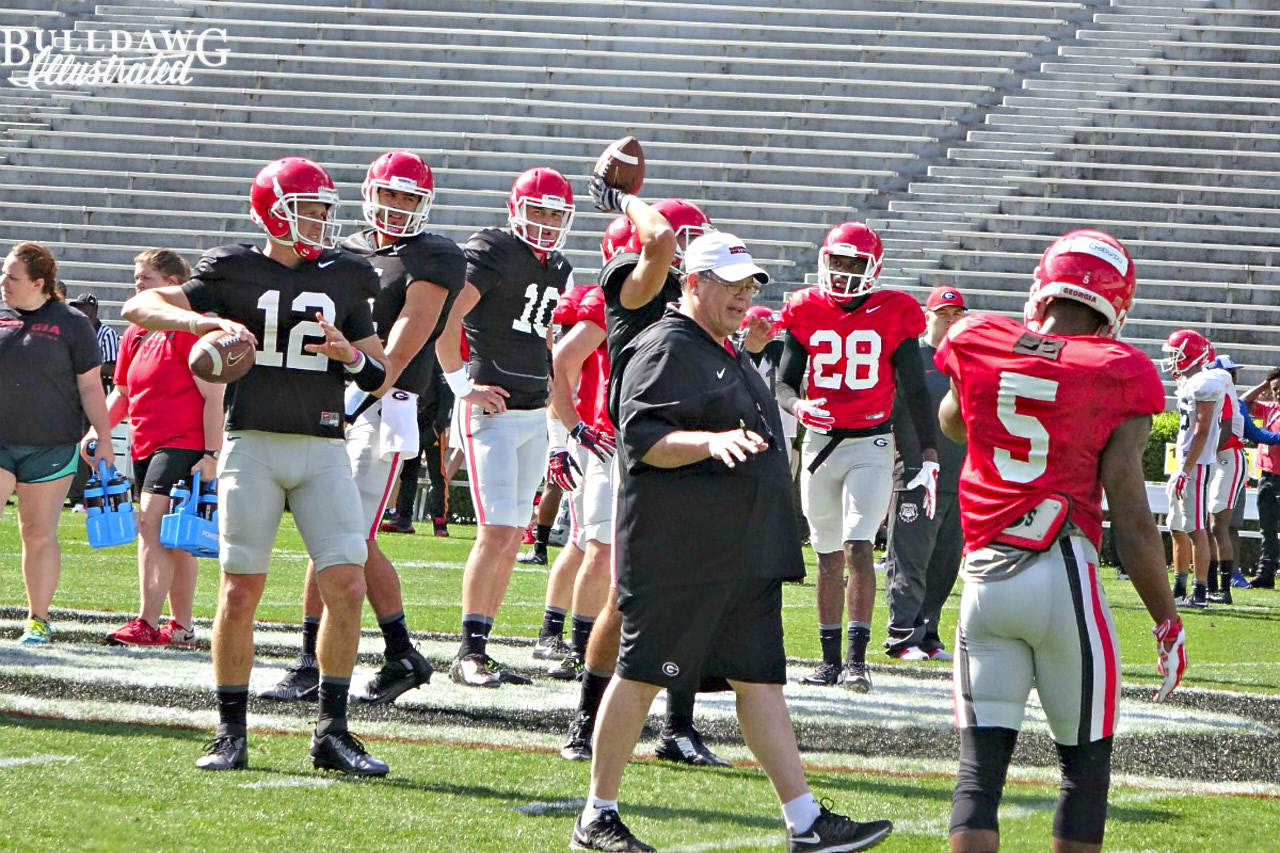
[[370, 375], [910, 370], [790, 371]]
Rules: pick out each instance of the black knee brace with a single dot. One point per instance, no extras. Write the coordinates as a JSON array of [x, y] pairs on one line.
[[984, 761], [1082, 803]]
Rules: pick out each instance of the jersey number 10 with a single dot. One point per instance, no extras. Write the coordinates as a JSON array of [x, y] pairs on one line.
[[539, 305]]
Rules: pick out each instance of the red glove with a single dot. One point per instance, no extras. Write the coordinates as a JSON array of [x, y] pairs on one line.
[[599, 444], [1177, 485], [1171, 655], [812, 415], [561, 467]]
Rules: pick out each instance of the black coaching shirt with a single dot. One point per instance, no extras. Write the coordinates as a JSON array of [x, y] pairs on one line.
[[507, 329], [623, 323], [422, 257], [289, 389], [705, 522], [42, 353]]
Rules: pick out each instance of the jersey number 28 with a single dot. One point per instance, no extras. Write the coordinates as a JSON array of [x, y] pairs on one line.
[[860, 350]]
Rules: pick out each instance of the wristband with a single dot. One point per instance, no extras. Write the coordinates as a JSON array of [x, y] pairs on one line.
[[556, 431], [624, 201], [459, 382], [357, 365], [369, 374], [191, 324]]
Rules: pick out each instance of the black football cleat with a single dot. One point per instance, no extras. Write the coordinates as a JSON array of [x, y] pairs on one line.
[[343, 751], [225, 752], [855, 677], [835, 833], [686, 747], [533, 558], [581, 728], [825, 675], [608, 833], [300, 683], [569, 669], [399, 675], [551, 648]]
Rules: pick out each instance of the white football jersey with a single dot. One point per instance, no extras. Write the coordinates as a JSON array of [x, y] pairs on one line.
[[1204, 386], [1232, 400]]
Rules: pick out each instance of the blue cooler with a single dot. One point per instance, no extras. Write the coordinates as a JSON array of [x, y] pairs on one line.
[[110, 519], [192, 522]]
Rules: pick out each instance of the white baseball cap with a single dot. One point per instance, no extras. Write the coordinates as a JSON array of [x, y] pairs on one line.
[[723, 254]]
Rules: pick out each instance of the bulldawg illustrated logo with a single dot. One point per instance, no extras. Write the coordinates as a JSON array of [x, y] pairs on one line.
[[58, 59]]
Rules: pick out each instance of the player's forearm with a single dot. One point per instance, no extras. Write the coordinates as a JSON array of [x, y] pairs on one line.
[[449, 348], [791, 367], [153, 311], [563, 381], [677, 449], [211, 421]]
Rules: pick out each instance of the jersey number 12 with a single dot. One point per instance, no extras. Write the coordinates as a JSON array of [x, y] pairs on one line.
[[294, 357]]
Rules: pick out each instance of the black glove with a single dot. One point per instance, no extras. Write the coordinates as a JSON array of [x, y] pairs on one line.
[[606, 198], [595, 442]]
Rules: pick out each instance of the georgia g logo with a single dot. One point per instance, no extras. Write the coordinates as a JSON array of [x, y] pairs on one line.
[[670, 670]]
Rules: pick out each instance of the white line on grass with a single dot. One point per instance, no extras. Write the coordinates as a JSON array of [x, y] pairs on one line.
[[288, 783], [35, 759], [535, 809], [759, 842]]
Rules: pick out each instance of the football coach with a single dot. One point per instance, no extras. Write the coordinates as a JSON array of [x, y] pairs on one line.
[[705, 535]]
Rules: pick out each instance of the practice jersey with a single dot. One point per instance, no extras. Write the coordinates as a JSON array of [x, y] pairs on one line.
[[423, 257], [507, 329], [593, 386], [566, 313], [623, 323], [1234, 439], [288, 390], [1205, 386], [1039, 410], [851, 351]]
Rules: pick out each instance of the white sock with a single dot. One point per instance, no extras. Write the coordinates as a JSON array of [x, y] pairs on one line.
[[800, 813], [595, 806]]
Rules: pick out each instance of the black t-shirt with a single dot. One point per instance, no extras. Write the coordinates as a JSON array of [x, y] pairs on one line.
[[423, 257], [289, 389], [41, 354], [507, 329], [625, 323], [705, 522]]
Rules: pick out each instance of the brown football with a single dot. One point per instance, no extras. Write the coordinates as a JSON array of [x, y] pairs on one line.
[[221, 357], [622, 165]]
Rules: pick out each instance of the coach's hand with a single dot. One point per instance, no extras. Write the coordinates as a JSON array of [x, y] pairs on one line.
[[734, 446], [928, 477], [1171, 655], [597, 443], [561, 468], [812, 415]]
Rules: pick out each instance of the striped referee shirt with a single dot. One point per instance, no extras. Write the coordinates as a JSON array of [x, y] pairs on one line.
[[108, 343]]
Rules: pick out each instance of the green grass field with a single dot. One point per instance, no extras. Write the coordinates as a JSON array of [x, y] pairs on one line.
[[98, 742]]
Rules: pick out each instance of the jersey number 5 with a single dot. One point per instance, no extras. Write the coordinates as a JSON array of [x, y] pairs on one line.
[[539, 304], [294, 357], [860, 351], [1015, 386]]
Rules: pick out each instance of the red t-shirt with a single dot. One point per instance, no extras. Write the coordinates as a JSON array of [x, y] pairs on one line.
[[1269, 460], [851, 352], [166, 409], [1039, 410], [593, 385]]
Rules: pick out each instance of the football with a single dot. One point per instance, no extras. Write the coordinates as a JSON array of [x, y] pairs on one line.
[[622, 165], [221, 357]]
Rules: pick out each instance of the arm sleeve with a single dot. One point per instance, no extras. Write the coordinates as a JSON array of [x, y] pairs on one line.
[[906, 360], [790, 371], [904, 435], [654, 394]]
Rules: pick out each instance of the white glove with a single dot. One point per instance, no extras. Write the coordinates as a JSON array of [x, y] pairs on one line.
[[1176, 486], [812, 415], [1171, 662], [928, 477]]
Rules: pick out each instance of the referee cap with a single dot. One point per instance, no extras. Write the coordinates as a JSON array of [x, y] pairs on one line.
[[723, 254]]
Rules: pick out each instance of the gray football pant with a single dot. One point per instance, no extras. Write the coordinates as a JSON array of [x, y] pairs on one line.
[[921, 565]]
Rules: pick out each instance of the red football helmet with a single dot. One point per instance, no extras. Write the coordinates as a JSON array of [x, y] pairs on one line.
[[1090, 267], [273, 204], [687, 220], [405, 172], [546, 188], [1185, 349], [850, 240], [619, 237]]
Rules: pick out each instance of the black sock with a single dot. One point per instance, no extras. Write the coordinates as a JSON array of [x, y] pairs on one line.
[[395, 634], [581, 633], [679, 711], [310, 633], [552, 623], [1213, 576], [333, 705], [1180, 582], [829, 636], [233, 706], [593, 685], [1226, 568], [475, 635], [1199, 590], [859, 636], [540, 537]]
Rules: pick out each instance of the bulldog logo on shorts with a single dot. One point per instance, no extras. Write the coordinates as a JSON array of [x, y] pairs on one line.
[[670, 669], [908, 512]]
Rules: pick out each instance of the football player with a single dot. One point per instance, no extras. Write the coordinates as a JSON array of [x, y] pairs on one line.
[[515, 275], [304, 304], [1226, 487], [1055, 410], [643, 251], [419, 274], [1201, 394], [851, 340]]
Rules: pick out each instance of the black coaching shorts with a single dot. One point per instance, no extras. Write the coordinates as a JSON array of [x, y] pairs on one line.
[[679, 639]]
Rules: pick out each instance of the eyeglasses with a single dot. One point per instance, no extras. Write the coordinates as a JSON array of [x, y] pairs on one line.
[[735, 288]]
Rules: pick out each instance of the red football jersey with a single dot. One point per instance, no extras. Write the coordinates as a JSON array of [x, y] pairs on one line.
[[166, 409], [566, 312], [593, 384], [851, 352], [1039, 410]]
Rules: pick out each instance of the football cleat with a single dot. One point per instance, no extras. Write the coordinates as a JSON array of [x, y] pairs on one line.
[[835, 833], [826, 675], [855, 677], [1223, 597], [441, 525], [607, 832], [568, 669], [301, 682], [1179, 588], [136, 632], [1192, 602], [1238, 580], [552, 647], [393, 522], [909, 653], [177, 636], [686, 747], [476, 670], [533, 558], [225, 752], [343, 751], [940, 654], [581, 729], [400, 674], [38, 632]]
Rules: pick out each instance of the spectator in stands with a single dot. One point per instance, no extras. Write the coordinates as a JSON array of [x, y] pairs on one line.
[[924, 552], [175, 425], [108, 340], [434, 410], [50, 379], [1265, 397]]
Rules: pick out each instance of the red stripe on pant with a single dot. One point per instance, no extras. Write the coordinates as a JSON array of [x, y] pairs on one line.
[[473, 481], [1111, 671], [392, 479]]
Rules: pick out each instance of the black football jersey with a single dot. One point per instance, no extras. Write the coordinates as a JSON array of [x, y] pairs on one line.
[[625, 323], [289, 389], [423, 257], [507, 329]]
